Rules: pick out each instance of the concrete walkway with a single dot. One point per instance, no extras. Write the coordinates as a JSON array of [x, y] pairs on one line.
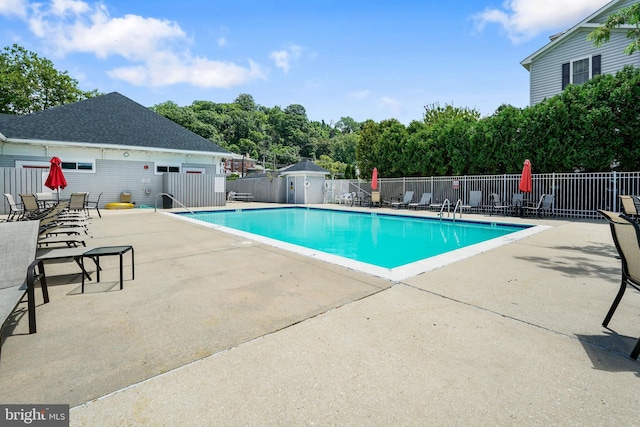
[[220, 330]]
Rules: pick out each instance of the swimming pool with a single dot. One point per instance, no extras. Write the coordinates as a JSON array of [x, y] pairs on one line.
[[390, 246]]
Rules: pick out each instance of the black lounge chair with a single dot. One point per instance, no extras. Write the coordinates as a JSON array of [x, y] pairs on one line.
[[626, 237]]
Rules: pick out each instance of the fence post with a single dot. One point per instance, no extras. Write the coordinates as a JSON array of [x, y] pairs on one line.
[[504, 187], [615, 191]]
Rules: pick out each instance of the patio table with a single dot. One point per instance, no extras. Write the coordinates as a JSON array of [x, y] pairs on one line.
[[96, 253]]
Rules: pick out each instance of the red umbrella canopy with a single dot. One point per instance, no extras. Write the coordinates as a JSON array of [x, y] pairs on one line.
[[526, 182], [374, 179], [56, 178]]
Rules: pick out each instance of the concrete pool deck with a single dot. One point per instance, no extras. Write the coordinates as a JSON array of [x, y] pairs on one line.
[[217, 329]]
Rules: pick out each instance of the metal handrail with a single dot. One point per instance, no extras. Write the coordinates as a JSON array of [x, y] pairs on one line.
[[448, 203], [458, 204], [172, 198]]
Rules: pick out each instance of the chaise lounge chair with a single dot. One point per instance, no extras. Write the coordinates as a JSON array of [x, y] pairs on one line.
[[425, 201], [408, 197], [475, 202], [626, 237], [18, 269], [30, 206]]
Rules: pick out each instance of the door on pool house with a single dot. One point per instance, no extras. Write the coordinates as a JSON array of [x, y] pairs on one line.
[[291, 190]]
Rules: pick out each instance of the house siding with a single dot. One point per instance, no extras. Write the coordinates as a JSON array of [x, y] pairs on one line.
[[602, 18], [112, 176], [546, 71]]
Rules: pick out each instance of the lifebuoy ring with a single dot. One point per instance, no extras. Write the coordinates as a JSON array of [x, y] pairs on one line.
[[119, 206], [307, 184]]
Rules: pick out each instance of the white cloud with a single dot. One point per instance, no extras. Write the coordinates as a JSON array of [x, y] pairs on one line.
[[14, 8], [392, 105], [157, 50], [525, 19], [222, 41], [200, 72], [359, 95], [284, 58]]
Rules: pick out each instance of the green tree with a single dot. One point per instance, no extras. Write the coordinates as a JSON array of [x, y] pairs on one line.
[[367, 156], [347, 125], [29, 83], [629, 16]]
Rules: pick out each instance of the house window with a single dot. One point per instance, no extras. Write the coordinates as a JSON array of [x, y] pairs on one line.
[[77, 166], [167, 168], [80, 166], [580, 71]]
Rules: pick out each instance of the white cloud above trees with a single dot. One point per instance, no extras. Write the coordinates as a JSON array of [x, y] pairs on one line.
[[525, 19], [156, 52]]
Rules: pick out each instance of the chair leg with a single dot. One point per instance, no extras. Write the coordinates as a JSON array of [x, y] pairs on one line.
[[616, 301], [636, 351]]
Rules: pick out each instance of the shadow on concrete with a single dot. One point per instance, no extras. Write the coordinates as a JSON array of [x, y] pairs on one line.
[[610, 351], [576, 263]]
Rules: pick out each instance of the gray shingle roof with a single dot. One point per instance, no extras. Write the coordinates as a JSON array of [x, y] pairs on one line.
[[110, 119], [304, 166]]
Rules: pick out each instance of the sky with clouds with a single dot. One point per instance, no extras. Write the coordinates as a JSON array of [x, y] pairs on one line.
[[364, 59]]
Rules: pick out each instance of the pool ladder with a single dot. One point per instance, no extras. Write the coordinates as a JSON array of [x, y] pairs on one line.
[[455, 209], [458, 205], [446, 203]]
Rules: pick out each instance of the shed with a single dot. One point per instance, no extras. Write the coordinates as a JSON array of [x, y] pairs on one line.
[[305, 182]]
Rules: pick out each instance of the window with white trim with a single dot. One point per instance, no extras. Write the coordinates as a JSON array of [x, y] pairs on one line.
[[580, 70], [81, 166]]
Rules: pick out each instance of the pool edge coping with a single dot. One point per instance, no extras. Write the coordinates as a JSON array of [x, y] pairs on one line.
[[395, 274]]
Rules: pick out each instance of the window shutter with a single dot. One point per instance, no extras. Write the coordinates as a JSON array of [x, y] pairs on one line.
[[565, 75], [595, 65]]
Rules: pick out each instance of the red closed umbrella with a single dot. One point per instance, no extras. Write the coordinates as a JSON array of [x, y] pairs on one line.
[[374, 179], [56, 179], [526, 181]]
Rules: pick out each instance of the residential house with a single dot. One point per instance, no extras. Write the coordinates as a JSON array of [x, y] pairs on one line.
[[569, 58], [240, 166], [108, 144]]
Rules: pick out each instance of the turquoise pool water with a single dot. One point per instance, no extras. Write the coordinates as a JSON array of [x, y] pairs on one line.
[[383, 240]]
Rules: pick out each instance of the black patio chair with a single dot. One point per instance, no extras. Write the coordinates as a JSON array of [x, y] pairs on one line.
[[626, 237]]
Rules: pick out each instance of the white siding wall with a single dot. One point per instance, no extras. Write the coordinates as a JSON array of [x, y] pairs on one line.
[[546, 71]]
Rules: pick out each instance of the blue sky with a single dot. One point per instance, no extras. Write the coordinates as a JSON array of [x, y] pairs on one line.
[[365, 59]]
